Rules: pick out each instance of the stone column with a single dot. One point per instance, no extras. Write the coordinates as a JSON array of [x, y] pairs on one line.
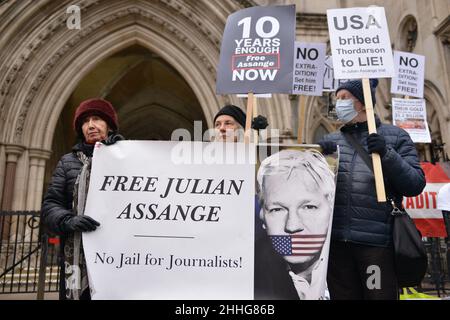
[[13, 153], [38, 157], [2, 169]]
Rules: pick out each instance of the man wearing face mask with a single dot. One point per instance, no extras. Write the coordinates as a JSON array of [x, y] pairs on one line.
[[361, 242]]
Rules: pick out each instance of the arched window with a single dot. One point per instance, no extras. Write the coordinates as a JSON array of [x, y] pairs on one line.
[[407, 34]]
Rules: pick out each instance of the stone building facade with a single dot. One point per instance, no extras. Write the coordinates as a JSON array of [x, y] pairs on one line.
[[156, 61]]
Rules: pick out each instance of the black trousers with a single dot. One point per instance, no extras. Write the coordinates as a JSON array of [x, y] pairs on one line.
[[359, 272]]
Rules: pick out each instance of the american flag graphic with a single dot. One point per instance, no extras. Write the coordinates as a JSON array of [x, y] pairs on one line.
[[298, 245]]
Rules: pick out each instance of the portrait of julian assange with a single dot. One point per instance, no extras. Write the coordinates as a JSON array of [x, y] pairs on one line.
[[296, 191]]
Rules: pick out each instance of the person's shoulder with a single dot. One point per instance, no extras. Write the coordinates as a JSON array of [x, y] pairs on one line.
[[70, 156], [333, 136], [389, 128], [394, 132]]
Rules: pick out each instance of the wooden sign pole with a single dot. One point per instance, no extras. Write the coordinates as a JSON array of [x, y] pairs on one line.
[[376, 160], [248, 121], [301, 120], [255, 114]]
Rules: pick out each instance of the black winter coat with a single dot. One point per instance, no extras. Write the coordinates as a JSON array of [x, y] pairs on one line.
[[358, 217], [57, 204]]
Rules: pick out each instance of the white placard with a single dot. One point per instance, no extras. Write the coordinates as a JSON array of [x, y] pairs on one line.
[[172, 227], [308, 72], [330, 83], [360, 43], [411, 115], [409, 74]]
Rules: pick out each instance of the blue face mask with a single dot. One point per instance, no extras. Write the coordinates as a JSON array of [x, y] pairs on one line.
[[345, 110]]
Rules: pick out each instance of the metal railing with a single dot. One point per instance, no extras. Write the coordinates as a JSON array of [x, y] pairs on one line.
[[29, 258], [437, 278], [25, 254]]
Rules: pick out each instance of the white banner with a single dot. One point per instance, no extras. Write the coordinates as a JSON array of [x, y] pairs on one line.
[[424, 206], [173, 225], [309, 59], [360, 43], [330, 83], [409, 74], [411, 115]]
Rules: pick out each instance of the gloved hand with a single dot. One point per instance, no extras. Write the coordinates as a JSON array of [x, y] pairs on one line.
[[376, 144], [79, 223], [328, 147], [112, 138]]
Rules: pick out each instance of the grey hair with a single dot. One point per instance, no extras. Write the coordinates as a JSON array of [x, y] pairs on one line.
[[309, 161]]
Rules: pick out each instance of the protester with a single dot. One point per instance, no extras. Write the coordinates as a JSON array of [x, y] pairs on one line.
[[229, 124], [296, 192], [362, 227], [63, 206]]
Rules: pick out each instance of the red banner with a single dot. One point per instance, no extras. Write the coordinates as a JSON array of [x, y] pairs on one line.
[[423, 208]]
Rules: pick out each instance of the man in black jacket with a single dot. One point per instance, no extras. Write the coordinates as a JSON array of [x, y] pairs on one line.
[[63, 206], [361, 262]]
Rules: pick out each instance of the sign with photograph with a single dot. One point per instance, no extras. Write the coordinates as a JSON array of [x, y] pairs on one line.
[[411, 115], [296, 189], [257, 51], [360, 43], [170, 229]]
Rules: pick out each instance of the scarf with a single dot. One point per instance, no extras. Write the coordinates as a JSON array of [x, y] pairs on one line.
[[75, 262]]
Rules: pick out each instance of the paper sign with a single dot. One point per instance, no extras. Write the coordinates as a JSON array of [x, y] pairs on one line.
[[309, 59], [170, 228], [257, 51], [409, 74], [360, 43], [411, 115], [330, 83]]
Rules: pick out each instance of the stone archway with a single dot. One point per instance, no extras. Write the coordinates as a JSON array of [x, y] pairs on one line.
[[151, 99], [45, 62]]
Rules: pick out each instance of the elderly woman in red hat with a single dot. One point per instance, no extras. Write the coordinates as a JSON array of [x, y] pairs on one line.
[[63, 206]]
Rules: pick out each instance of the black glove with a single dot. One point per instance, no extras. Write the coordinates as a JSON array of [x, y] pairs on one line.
[[376, 144], [79, 223], [328, 147], [112, 138], [259, 123]]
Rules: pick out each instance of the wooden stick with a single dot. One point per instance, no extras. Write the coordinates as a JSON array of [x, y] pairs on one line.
[[248, 120], [255, 114], [301, 119], [376, 160]]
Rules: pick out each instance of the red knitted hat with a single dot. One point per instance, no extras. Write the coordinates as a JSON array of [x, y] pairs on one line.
[[99, 107]]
